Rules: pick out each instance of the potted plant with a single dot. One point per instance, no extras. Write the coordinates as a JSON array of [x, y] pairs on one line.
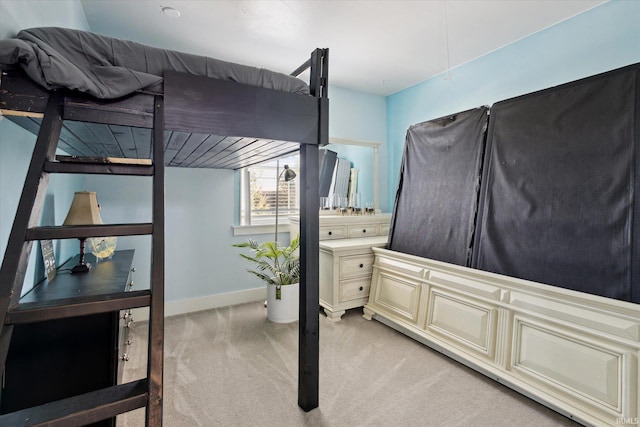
[[279, 267]]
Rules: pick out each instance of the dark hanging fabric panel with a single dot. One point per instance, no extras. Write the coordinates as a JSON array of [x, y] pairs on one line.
[[436, 201], [327, 162], [560, 187]]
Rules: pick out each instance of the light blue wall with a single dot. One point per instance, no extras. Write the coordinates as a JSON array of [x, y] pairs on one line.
[[16, 15], [125, 200], [16, 144], [601, 39], [362, 117], [200, 260], [16, 147]]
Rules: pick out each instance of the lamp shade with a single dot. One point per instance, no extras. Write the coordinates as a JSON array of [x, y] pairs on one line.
[[289, 174], [84, 209]]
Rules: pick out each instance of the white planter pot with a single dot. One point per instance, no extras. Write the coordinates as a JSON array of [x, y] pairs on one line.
[[283, 310]]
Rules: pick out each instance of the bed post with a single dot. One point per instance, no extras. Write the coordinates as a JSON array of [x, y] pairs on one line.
[[308, 329]]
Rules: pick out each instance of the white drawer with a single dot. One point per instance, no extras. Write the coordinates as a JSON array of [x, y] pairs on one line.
[[356, 265], [368, 230], [354, 289], [332, 232]]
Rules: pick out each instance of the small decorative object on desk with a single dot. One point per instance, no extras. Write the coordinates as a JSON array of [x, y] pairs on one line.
[[324, 204], [369, 208], [356, 204], [340, 204], [49, 259], [102, 247]]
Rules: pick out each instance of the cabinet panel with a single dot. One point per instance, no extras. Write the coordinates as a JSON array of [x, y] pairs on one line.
[[384, 229], [345, 273], [56, 359], [60, 358], [575, 364], [332, 232], [575, 352], [348, 226], [363, 230], [124, 326], [354, 289], [468, 323], [124, 343], [326, 276], [626, 328], [398, 296], [356, 265]]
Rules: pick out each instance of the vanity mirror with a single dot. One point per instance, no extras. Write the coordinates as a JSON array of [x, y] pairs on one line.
[[364, 156]]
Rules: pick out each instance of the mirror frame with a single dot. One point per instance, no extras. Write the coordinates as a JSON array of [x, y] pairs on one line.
[[373, 145]]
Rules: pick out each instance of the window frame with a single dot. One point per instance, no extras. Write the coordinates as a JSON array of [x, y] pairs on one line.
[[262, 224]]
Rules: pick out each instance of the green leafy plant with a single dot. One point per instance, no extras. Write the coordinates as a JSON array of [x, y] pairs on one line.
[[276, 265]]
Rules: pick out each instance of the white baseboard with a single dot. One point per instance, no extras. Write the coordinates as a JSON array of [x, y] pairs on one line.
[[190, 305]]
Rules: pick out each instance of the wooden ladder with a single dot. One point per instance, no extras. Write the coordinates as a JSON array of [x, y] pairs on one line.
[[108, 402]]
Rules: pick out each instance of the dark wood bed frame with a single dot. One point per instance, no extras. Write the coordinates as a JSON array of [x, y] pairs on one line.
[[196, 122]]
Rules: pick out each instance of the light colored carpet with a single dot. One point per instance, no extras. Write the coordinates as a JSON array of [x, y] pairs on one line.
[[232, 367]]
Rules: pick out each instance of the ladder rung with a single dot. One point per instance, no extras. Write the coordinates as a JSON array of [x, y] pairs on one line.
[[72, 307], [82, 409], [84, 231], [99, 168]]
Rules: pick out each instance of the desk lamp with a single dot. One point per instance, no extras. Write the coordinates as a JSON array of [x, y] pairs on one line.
[[84, 210]]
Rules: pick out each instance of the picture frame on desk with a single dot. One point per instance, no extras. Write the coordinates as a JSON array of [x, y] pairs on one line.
[[49, 259]]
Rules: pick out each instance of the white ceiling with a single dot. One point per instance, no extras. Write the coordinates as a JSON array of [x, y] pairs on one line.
[[377, 46]]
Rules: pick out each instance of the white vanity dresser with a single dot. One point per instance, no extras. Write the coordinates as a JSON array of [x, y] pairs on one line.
[[346, 258]]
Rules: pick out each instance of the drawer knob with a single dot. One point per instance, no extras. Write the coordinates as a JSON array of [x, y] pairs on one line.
[[125, 357], [130, 284], [361, 266], [133, 270], [128, 342], [361, 288], [330, 233]]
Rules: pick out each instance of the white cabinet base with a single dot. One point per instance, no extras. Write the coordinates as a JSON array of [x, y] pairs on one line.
[[576, 353], [333, 315], [345, 273]]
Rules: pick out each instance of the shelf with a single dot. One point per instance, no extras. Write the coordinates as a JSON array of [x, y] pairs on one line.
[[82, 409], [81, 306], [84, 231], [100, 168], [104, 288]]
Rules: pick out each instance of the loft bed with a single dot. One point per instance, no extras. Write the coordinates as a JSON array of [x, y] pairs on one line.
[[116, 97], [252, 108]]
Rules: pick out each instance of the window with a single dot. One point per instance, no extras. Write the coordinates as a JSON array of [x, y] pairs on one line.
[[258, 192]]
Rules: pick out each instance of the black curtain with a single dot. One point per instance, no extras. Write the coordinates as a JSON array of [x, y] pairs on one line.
[[437, 196], [326, 163], [559, 194]]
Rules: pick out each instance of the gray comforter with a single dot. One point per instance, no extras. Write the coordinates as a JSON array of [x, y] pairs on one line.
[[106, 67]]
